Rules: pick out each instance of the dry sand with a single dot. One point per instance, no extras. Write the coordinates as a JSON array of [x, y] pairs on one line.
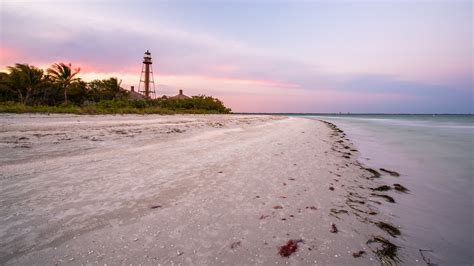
[[191, 189]]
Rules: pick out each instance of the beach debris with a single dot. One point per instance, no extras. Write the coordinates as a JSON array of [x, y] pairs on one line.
[[277, 207], [390, 229], [385, 250], [336, 211], [257, 197], [311, 208], [155, 206], [331, 188], [425, 259], [175, 130], [355, 201], [392, 173], [333, 229], [123, 132], [345, 156], [382, 188], [353, 150], [23, 138], [284, 183], [290, 247], [235, 245], [358, 254], [400, 188], [220, 172], [386, 197], [292, 179], [283, 219], [264, 216], [375, 173], [26, 146]]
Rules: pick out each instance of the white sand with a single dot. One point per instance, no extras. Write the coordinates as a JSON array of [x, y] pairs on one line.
[[80, 190]]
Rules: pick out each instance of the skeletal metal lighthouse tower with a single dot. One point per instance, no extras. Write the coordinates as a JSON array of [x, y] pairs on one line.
[[147, 77]]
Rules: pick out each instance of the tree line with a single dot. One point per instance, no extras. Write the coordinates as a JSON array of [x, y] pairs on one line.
[[60, 86]]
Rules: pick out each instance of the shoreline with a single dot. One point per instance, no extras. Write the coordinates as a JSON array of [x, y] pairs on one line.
[[431, 212], [185, 189]]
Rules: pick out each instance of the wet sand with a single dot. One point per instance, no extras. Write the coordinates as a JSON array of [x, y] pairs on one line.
[[188, 189]]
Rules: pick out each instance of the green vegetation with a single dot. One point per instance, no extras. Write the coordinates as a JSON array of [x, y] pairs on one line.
[[26, 88]]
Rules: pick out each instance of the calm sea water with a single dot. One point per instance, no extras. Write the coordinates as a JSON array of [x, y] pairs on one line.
[[435, 157]]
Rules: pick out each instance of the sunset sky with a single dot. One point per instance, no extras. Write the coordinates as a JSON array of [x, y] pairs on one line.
[[261, 56]]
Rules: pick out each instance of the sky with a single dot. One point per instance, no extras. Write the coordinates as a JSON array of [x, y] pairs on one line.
[[261, 56]]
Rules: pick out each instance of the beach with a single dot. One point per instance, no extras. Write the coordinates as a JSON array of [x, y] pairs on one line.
[[434, 156], [185, 189]]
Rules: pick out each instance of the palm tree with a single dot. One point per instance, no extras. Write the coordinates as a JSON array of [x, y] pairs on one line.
[[63, 75], [24, 79], [112, 88]]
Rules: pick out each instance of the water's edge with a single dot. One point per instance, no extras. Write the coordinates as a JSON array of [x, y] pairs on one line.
[[434, 158]]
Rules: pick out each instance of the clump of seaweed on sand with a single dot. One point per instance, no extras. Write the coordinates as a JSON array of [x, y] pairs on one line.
[[290, 247], [382, 188], [392, 173], [386, 251], [400, 188], [386, 197], [390, 229]]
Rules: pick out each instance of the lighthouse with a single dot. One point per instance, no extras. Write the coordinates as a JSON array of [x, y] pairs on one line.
[[146, 77]]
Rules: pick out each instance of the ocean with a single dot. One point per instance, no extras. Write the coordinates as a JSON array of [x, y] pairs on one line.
[[435, 156]]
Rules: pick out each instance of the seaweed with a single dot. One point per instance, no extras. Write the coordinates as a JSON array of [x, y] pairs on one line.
[[386, 251], [375, 173], [400, 188], [235, 245], [289, 248], [155, 206], [358, 254], [354, 201], [338, 211], [392, 173], [390, 229], [425, 259], [382, 188], [386, 197], [331, 188], [333, 229], [277, 207]]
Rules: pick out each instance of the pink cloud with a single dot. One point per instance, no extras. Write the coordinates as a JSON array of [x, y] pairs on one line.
[[7, 53], [256, 82]]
